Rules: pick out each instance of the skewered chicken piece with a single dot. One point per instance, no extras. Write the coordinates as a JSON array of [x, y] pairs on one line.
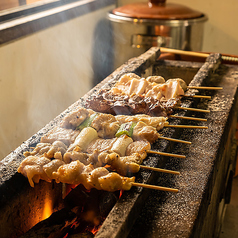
[[67, 136], [141, 86], [32, 168], [106, 125], [55, 150], [75, 118], [157, 122], [124, 165]]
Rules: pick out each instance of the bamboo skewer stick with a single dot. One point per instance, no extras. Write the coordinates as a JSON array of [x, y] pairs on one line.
[[206, 88], [165, 154], [195, 54], [175, 140], [197, 96], [194, 109], [183, 52], [155, 187], [160, 170], [189, 118], [187, 126]]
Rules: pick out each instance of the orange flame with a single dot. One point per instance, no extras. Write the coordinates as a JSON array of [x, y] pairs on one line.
[[48, 207]]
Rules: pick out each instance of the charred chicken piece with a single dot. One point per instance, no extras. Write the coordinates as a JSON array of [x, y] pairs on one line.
[[75, 118]]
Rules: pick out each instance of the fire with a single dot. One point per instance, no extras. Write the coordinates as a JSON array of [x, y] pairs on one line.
[[48, 207], [121, 192], [95, 229]]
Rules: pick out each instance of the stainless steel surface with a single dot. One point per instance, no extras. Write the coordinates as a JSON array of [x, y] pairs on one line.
[[133, 36]]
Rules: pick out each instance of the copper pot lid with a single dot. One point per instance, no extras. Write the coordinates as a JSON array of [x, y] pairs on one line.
[[157, 9]]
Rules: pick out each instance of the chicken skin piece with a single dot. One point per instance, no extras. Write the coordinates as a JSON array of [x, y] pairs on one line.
[[67, 136], [75, 118], [73, 173], [32, 168], [52, 166], [126, 164], [143, 132], [113, 182], [56, 150], [140, 147], [106, 125], [157, 122]]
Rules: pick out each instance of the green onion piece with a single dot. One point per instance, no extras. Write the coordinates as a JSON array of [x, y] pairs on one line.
[[87, 122], [126, 129]]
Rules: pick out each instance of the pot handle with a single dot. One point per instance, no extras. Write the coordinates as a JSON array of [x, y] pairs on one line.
[[152, 3]]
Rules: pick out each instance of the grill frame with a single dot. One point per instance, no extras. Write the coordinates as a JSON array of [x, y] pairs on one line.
[[124, 214]]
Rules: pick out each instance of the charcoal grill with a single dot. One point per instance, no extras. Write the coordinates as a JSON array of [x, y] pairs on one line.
[[206, 173]]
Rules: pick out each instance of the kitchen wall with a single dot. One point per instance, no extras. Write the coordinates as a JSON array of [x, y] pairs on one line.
[[220, 33], [43, 73]]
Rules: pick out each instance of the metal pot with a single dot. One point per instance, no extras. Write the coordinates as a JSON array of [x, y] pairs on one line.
[[139, 26]]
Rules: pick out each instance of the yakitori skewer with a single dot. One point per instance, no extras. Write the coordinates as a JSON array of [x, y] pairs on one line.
[[189, 118], [166, 154], [90, 177], [187, 126], [174, 190], [206, 88], [160, 170], [193, 109], [175, 140]]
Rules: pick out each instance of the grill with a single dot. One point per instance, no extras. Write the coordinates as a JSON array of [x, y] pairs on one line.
[[206, 173]]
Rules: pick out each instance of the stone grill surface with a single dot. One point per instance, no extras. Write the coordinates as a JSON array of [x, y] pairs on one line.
[[140, 212]]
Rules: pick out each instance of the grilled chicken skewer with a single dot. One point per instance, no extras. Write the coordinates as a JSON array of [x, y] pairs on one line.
[[107, 126], [135, 95], [36, 168]]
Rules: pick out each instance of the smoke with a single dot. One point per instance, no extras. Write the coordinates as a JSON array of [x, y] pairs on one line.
[[44, 73]]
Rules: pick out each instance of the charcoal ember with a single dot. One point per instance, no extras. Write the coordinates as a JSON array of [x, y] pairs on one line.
[[56, 226], [86, 234], [77, 197]]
